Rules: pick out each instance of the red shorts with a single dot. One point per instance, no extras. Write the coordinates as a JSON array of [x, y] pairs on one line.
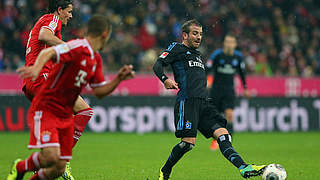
[[48, 130], [31, 88]]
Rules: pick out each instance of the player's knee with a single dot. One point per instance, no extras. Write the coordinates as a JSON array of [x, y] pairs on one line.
[[221, 131], [185, 146], [51, 158]]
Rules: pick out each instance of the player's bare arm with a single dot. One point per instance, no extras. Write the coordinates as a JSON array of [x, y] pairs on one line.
[[124, 73], [34, 70], [47, 36]]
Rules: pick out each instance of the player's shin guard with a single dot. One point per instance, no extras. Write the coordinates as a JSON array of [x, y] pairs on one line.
[[32, 163], [229, 153], [80, 121], [176, 154]]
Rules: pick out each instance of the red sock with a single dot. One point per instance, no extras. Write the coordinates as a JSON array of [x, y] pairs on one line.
[[39, 176], [80, 121], [32, 163]]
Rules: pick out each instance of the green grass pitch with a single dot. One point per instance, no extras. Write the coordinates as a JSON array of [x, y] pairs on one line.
[[117, 156]]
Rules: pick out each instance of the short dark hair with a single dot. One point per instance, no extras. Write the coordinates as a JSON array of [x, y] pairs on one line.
[[97, 24], [186, 26], [55, 4]]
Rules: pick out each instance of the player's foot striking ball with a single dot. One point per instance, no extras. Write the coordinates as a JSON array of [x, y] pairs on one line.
[[193, 111], [252, 170]]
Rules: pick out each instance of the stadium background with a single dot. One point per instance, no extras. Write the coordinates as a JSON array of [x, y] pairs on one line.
[[280, 42]]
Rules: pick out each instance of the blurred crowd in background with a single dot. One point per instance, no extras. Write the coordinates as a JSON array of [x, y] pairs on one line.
[[276, 37]]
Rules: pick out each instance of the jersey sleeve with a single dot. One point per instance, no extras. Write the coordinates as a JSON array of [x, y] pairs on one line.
[[52, 23], [241, 69], [98, 78], [66, 52], [168, 56]]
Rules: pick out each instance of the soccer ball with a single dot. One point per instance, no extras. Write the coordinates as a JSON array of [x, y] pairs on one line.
[[274, 172]]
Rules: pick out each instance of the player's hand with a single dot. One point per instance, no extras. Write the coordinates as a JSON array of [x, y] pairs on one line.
[[28, 72], [170, 84], [246, 93], [126, 72]]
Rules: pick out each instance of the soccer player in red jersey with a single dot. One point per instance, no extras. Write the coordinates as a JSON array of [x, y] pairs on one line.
[[45, 33], [78, 63]]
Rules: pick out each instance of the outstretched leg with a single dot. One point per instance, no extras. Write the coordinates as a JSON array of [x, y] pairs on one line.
[[177, 152], [226, 148]]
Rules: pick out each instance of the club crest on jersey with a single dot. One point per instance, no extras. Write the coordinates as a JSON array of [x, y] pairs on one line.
[[235, 62], [46, 135], [164, 55], [221, 61], [188, 125]]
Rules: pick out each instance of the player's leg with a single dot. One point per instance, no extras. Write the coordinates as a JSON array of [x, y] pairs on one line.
[[186, 130], [226, 106], [43, 134], [83, 114], [66, 141], [47, 157], [213, 124], [226, 148], [51, 173], [54, 167], [176, 154]]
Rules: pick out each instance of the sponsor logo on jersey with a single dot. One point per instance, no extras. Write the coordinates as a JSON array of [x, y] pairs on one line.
[[188, 125], [195, 64], [46, 135], [226, 69], [164, 55]]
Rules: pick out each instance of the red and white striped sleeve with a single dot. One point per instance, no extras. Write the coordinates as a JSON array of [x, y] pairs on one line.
[[51, 22], [69, 51], [98, 78]]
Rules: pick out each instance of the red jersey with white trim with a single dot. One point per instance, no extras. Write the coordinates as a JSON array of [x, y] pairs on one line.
[[77, 65], [34, 46]]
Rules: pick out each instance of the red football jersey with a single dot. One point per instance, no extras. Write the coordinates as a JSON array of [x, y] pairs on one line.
[[34, 46], [77, 65]]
